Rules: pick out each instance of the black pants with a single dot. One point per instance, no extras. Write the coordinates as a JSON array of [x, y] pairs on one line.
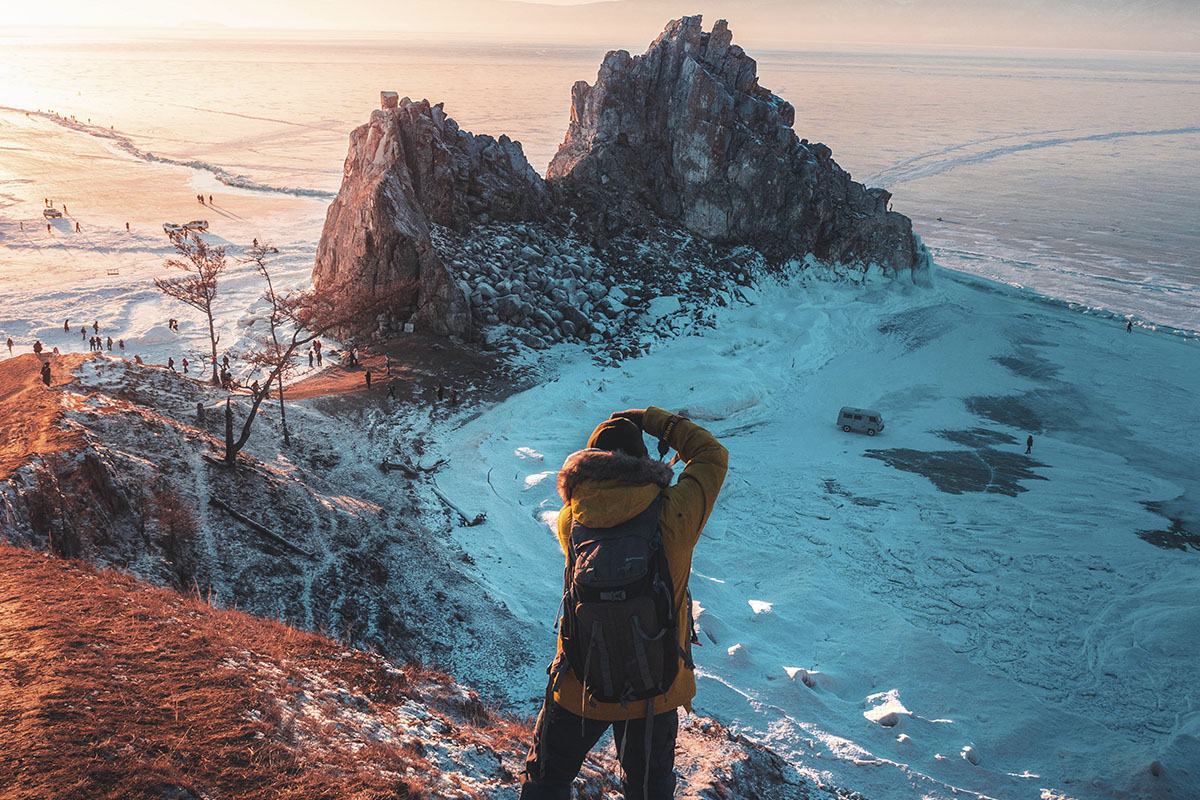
[[562, 740]]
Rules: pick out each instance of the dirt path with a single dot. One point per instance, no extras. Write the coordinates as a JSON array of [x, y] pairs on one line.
[[418, 365], [30, 414]]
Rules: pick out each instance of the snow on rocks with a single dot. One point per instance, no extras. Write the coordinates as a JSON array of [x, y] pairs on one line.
[[807, 677], [532, 285], [534, 480], [886, 709], [759, 607]]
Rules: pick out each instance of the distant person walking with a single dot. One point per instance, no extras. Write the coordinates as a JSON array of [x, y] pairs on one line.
[[126, 226], [77, 227], [110, 343], [185, 366], [96, 325], [310, 358], [46, 374], [368, 378], [1129, 326], [83, 332], [1029, 445], [67, 325], [37, 347], [392, 390], [10, 344], [171, 364], [121, 343]]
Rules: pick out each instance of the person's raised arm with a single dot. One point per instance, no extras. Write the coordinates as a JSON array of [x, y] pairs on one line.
[[691, 498]]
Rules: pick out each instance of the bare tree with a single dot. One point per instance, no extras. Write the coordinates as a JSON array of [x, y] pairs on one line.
[[197, 288], [309, 315], [272, 354]]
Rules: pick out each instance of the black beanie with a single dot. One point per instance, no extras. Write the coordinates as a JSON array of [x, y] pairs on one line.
[[619, 435]]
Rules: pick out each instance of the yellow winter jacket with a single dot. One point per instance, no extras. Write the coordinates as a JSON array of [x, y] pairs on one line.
[[598, 500]]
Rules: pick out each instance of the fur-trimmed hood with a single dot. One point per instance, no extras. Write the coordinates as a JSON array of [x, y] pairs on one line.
[[606, 465], [604, 488]]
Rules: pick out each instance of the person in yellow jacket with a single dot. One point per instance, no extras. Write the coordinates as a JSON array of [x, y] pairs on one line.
[[611, 482]]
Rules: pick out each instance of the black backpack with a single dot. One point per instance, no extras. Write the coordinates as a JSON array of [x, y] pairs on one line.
[[619, 630]]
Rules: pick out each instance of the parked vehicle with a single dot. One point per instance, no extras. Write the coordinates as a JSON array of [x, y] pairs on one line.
[[51, 213], [861, 420], [196, 225], [170, 228]]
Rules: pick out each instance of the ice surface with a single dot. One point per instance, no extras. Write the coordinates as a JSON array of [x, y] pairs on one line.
[[1037, 642]]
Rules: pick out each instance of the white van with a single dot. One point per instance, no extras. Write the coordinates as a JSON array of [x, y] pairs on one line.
[[861, 420]]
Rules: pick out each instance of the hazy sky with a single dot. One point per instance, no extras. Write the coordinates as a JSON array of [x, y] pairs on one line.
[[1127, 24]]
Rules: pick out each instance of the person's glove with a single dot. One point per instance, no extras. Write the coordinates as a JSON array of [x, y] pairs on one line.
[[663, 449], [634, 415]]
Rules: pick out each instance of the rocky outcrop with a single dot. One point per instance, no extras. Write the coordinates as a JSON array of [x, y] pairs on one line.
[[679, 174], [684, 134], [409, 168]]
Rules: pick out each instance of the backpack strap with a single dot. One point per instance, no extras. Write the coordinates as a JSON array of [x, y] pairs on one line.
[[649, 733]]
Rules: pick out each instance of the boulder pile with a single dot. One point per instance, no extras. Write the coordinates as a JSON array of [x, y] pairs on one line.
[[530, 283]]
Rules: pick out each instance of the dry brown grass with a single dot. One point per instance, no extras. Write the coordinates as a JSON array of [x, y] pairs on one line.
[[110, 689], [32, 414]]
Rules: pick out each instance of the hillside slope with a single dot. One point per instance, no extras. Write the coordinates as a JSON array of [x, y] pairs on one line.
[[113, 689]]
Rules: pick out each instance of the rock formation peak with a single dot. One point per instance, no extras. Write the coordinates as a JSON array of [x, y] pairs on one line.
[[685, 133], [410, 168]]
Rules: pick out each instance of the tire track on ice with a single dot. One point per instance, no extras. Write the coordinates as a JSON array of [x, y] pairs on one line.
[[124, 143], [901, 173]]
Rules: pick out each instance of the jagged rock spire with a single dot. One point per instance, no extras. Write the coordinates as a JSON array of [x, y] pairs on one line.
[[684, 133], [408, 168]]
